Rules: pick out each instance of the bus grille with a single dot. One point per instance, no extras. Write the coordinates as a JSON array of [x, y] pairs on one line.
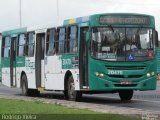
[[122, 76], [126, 67], [120, 85]]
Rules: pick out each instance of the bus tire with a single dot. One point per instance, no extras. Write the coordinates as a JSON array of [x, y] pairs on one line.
[[25, 90], [65, 92], [73, 95], [126, 95]]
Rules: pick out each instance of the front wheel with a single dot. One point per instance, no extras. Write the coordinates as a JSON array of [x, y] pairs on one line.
[[73, 95], [126, 95]]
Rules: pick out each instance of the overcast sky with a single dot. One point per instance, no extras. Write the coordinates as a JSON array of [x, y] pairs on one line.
[[44, 12]]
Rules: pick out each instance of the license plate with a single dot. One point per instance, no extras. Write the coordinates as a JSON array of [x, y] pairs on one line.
[[126, 82]]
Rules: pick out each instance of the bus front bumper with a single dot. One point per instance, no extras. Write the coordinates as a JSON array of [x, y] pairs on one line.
[[100, 84]]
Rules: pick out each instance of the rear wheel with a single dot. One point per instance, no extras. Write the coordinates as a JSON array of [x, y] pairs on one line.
[[65, 92], [126, 95], [25, 90], [73, 95]]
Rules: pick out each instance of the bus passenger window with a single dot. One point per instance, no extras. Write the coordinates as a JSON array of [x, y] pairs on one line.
[[6, 47], [61, 39], [3, 43], [56, 47], [30, 44], [50, 46], [66, 43], [21, 43], [43, 46], [73, 39]]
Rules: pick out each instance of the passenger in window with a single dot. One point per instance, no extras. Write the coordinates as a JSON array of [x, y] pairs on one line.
[[130, 46]]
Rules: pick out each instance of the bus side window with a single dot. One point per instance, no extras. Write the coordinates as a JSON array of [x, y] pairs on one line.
[[50, 43], [61, 39], [66, 43], [30, 44], [6, 47], [56, 42], [73, 39], [21, 44], [3, 43]]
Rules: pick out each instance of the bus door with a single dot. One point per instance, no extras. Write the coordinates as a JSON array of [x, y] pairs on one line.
[[83, 59], [13, 62], [39, 59]]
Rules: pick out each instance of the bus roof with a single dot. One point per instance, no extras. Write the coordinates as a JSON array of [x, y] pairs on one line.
[[87, 18], [14, 32]]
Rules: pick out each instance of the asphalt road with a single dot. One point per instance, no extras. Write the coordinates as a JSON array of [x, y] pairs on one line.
[[144, 100]]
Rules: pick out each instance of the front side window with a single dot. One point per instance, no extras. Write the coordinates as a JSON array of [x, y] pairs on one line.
[[122, 44], [73, 39]]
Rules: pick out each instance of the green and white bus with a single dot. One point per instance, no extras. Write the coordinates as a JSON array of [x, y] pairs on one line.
[[102, 53]]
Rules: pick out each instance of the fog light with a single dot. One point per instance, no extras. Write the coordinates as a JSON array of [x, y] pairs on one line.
[[148, 74]]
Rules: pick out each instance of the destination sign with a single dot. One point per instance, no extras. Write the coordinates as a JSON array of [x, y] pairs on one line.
[[124, 19]]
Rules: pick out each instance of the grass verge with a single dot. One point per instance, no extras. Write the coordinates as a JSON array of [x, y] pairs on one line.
[[35, 110]]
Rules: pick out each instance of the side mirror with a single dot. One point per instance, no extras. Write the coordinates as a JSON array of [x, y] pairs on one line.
[[88, 35], [155, 37]]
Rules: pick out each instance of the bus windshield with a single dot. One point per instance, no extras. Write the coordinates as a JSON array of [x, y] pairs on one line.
[[122, 44]]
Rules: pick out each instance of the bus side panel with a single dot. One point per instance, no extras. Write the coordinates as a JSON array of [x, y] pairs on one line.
[[18, 75], [75, 74], [6, 71], [55, 74], [54, 78], [27, 66], [30, 72], [6, 77]]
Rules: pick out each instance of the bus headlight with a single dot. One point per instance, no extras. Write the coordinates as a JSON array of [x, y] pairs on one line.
[[148, 74], [99, 74]]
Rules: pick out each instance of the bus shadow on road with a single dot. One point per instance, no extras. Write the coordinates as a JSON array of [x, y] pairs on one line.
[[87, 98], [104, 100]]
